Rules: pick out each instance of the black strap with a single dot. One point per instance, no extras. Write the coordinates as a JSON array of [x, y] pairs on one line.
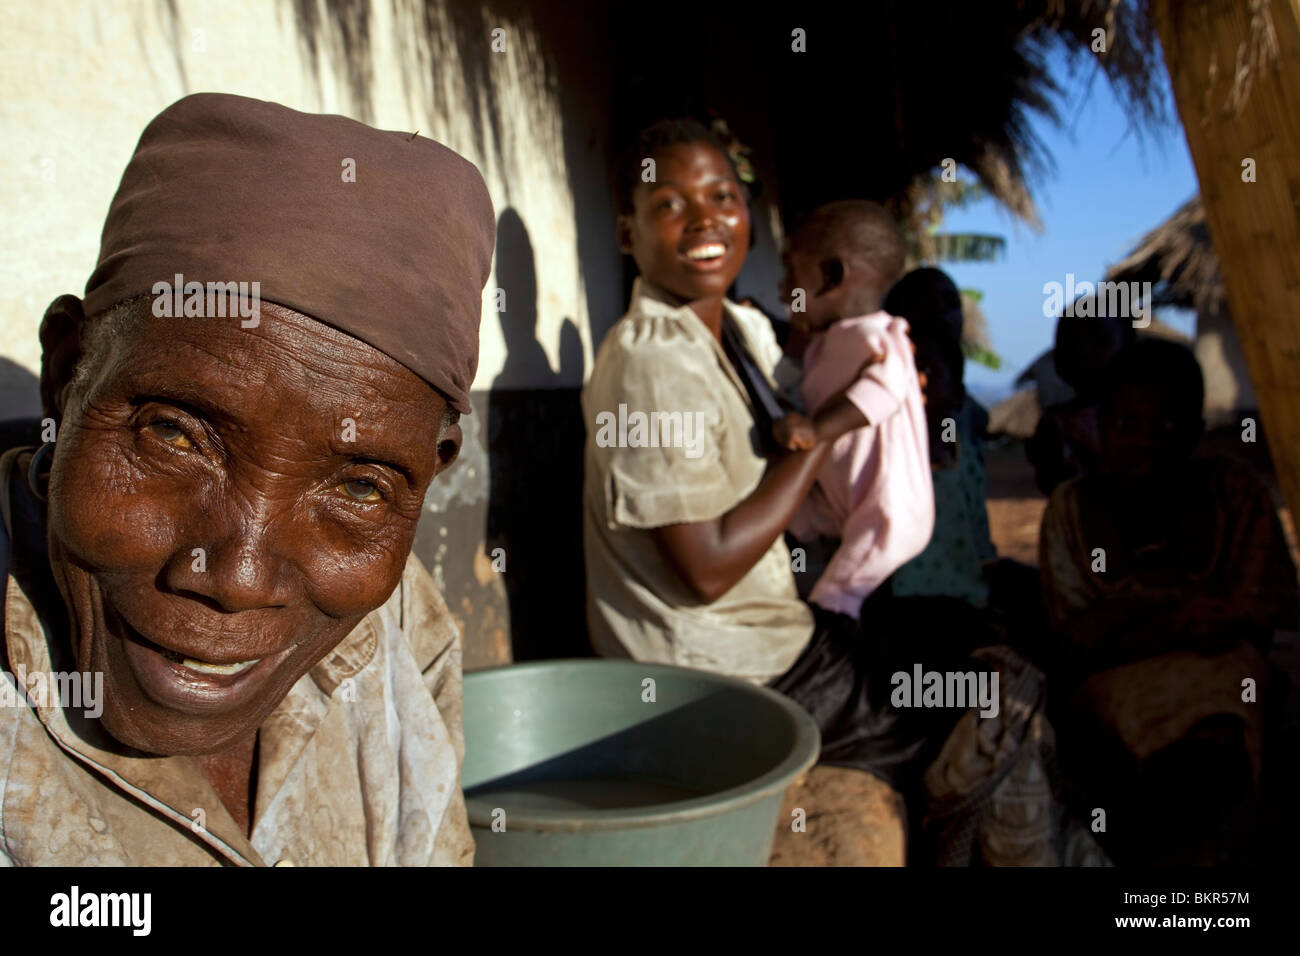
[[767, 409]]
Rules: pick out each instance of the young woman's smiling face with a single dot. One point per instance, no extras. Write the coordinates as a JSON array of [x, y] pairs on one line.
[[216, 527], [689, 231]]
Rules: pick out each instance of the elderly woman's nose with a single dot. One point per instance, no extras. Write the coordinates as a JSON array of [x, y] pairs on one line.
[[239, 571]]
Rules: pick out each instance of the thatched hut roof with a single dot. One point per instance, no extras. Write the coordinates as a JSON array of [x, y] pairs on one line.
[[1016, 416], [885, 91], [1162, 330], [1178, 260], [1040, 385], [1033, 372]]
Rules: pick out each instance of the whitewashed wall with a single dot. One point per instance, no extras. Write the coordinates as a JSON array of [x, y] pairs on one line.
[[81, 79]]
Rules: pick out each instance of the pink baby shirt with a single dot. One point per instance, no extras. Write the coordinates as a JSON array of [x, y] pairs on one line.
[[875, 492]]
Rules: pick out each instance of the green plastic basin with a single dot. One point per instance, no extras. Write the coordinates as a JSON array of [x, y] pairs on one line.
[[568, 763]]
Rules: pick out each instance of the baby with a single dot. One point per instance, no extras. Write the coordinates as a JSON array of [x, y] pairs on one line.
[[874, 493]]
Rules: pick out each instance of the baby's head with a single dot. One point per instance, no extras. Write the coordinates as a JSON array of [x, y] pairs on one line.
[[683, 216], [1152, 396], [840, 263]]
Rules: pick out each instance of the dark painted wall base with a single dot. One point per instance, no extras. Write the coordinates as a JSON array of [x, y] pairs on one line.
[[504, 539]]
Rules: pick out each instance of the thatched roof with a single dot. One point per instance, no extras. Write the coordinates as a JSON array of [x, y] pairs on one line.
[[1016, 416], [886, 91], [1039, 385], [1002, 157], [1178, 260], [882, 94], [1162, 330], [1029, 375]]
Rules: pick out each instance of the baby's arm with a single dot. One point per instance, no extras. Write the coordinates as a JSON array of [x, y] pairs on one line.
[[881, 390], [837, 416], [796, 432]]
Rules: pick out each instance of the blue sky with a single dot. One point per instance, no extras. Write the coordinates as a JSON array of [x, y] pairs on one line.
[[1108, 187]]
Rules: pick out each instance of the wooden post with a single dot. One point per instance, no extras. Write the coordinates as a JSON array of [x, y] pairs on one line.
[[1235, 71]]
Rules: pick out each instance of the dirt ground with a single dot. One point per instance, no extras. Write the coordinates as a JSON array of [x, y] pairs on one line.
[[1015, 505], [833, 816], [853, 819]]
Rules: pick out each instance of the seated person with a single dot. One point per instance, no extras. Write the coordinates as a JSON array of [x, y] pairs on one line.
[[1164, 576], [214, 556], [685, 556], [957, 585], [952, 563], [874, 493], [1066, 443]]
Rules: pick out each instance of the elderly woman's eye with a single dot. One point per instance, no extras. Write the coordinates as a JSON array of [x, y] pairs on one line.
[[171, 433], [362, 491]]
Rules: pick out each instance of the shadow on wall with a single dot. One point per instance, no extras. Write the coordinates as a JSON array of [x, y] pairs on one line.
[[525, 110], [535, 445]]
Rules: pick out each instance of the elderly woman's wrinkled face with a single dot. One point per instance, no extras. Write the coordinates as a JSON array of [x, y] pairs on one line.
[[225, 505]]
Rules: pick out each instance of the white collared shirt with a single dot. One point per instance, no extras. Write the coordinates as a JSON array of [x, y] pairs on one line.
[[661, 359]]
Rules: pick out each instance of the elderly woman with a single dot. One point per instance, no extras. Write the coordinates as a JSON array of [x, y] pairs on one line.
[[220, 537]]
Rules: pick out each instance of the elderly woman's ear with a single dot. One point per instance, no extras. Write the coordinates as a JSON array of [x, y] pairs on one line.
[[449, 440], [61, 332]]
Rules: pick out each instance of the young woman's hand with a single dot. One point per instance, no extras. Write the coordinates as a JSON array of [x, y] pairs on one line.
[[795, 432]]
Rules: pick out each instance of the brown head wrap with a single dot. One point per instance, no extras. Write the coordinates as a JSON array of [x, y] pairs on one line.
[[229, 189]]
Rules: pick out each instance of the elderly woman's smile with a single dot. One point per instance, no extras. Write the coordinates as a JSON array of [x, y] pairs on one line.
[[172, 678], [216, 529], [226, 504]]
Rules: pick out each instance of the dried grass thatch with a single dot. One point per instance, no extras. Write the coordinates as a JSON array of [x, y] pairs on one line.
[[1125, 52], [1040, 386], [1162, 330], [1178, 260], [1016, 416]]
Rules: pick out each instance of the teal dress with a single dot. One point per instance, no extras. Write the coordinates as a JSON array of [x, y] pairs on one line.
[[952, 563]]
